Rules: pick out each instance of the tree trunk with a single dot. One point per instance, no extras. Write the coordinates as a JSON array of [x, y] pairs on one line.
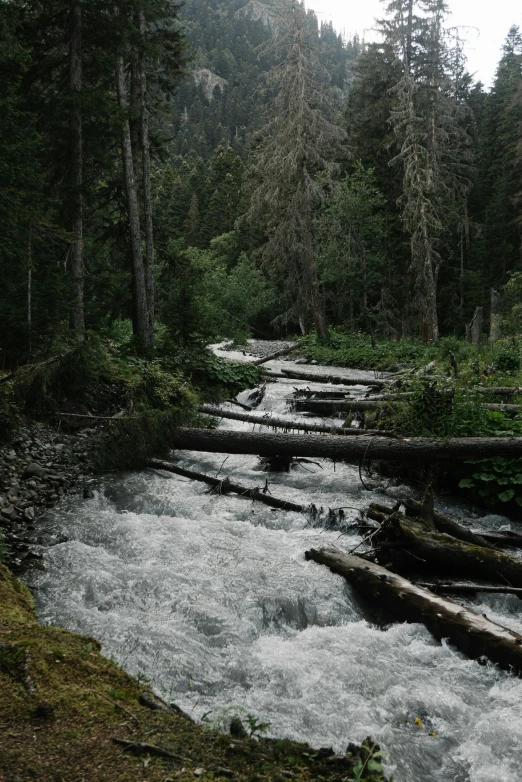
[[336, 379], [147, 190], [277, 354], [279, 423], [474, 635], [444, 553], [141, 316], [225, 485], [475, 329], [494, 325], [421, 449], [329, 406], [76, 169]]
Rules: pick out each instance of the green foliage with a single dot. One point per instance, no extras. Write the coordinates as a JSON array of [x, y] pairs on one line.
[[495, 480], [217, 377], [436, 409], [507, 357], [352, 261], [207, 300], [356, 350], [220, 719]]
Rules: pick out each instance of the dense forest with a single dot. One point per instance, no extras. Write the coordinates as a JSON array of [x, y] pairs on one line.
[[221, 169]]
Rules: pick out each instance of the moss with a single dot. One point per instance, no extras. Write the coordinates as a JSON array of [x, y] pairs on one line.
[[81, 700]]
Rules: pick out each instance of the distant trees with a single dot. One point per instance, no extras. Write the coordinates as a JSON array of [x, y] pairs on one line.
[[295, 145]]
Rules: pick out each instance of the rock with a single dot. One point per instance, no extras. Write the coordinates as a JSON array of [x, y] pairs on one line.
[[59, 447], [29, 513], [88, 494], [11, 455], [237, 729], [9, 512], [34, 470]]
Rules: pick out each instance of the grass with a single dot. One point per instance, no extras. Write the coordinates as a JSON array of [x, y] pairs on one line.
[[63, 731]]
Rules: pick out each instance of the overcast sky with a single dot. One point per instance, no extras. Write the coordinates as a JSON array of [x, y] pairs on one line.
[[488, 22]]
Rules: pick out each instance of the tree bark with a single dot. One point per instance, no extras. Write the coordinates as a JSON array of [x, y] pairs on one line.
[[225, 485], [494, 324], [141, 315], [76, 169], [280, 423], [472, 634], [475, 329], [421, 449]]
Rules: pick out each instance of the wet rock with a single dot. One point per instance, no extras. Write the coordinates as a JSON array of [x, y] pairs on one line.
[[29, 513], [9, 512], [34, 470]]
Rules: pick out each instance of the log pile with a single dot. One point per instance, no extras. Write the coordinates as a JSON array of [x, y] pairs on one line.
[[417, 541]]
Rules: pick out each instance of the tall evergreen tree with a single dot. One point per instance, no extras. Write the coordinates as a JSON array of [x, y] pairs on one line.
[[294, 146]]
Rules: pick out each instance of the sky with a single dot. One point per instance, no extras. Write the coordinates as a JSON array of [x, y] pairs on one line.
[[484, 23]]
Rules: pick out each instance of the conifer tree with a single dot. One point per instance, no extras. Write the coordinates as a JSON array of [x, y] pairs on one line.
[[294, 146]]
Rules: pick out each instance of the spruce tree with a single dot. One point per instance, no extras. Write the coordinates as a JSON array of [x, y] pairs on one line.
[[293, 147]]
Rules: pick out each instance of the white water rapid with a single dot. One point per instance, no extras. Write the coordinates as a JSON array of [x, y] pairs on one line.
[[210, 598]]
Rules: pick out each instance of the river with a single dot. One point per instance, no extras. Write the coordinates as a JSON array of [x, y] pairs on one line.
[[211, 600]]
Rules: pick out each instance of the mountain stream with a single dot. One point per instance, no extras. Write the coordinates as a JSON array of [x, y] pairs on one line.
[[210, 599]]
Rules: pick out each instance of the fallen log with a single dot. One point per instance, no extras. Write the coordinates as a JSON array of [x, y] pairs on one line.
[[474, 635], [334, 379], [445, 524], [417, 449], [445, 554], [506, 538], [223, 486], [470, 589], [329, 406], [272, 356], [280, 423]]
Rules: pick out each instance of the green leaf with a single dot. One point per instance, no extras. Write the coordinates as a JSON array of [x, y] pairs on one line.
[[466, 483], [516, 478], [518, 500], [484, 476], [507, 495]]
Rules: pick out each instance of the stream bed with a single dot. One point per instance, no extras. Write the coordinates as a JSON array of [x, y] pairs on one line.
[[210, 599]]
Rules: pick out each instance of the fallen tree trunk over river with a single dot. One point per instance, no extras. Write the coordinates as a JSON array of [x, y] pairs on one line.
[[417, 449], [280, 423], [329, 406], [473, 634], [314, 377], [223, 486]]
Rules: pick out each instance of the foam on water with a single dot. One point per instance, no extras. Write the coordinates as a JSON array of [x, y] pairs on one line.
[[211, 598]]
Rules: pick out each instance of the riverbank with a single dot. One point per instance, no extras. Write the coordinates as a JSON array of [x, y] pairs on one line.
[[63, 705]]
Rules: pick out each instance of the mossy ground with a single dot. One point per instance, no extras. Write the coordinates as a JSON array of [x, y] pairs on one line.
[[91, 701]]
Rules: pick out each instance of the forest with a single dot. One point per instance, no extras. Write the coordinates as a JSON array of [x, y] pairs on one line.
[[260, 290], [219, 170]]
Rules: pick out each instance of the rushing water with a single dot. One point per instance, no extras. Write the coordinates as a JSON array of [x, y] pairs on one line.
[[211, 599]]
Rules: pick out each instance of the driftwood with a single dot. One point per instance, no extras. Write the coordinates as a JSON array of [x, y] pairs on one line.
[[283, 352], [280, 423], [417, 449], [444, 553], [475, 635], [224, 486], [334, 379], [239, 404]]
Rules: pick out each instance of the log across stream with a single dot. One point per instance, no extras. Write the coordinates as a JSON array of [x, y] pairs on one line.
[[211, 598]]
